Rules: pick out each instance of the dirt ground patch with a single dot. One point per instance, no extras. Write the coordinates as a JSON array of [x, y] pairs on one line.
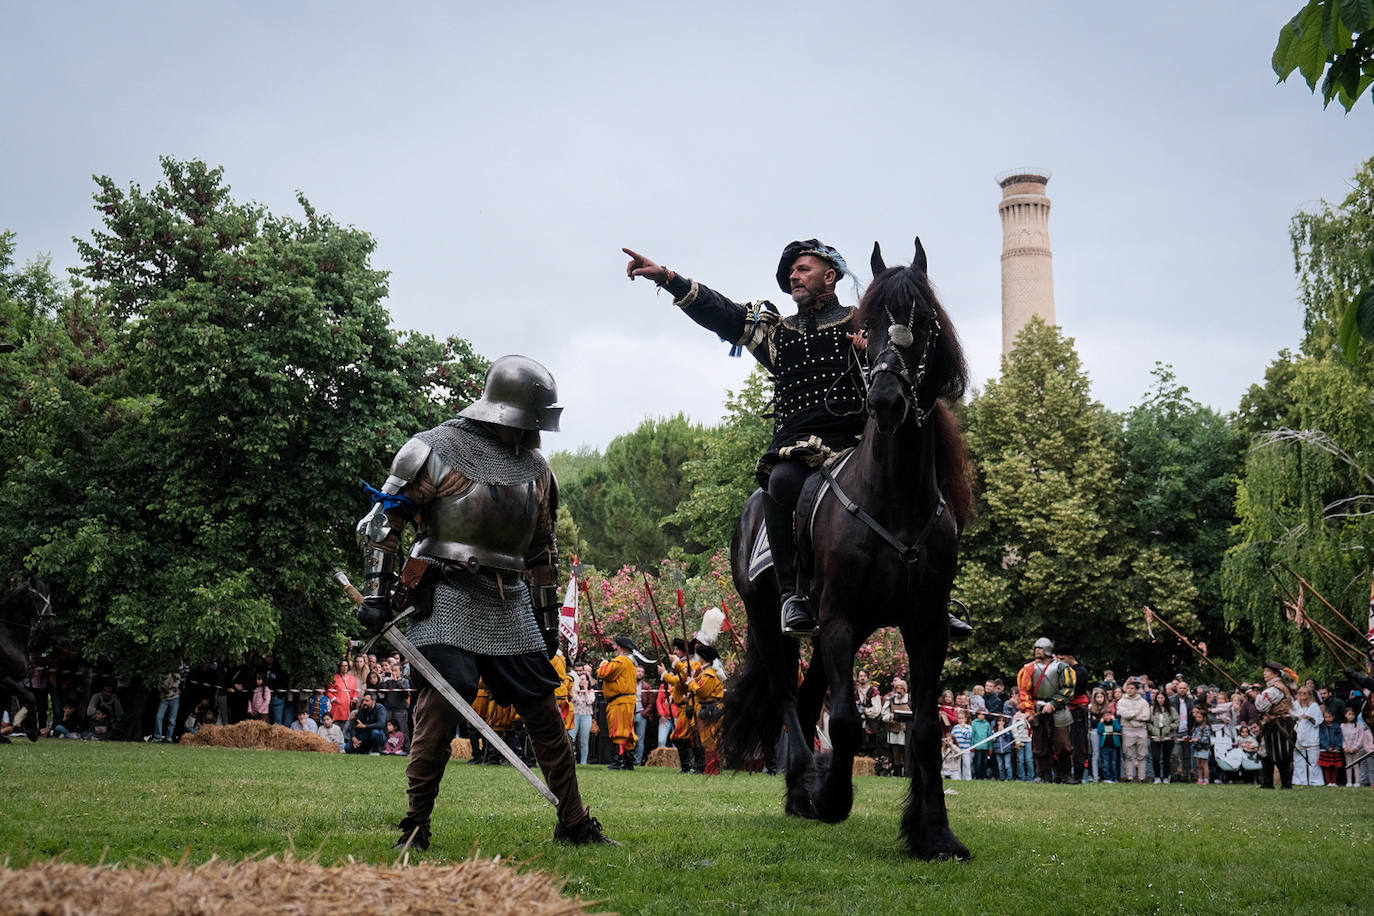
[[284, 885]]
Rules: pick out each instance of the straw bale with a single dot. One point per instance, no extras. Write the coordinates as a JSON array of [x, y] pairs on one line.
[[258, 735], [663, 757], [285, 885], [865, 766], [460, 749]]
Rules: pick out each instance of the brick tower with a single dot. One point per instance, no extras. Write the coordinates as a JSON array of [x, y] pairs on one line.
[[1027, 265]]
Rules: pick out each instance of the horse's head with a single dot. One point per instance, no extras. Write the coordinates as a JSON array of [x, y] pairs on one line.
[[914, 356], [29, 604]]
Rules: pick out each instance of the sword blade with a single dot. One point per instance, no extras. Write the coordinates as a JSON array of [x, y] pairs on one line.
[[441, 684]]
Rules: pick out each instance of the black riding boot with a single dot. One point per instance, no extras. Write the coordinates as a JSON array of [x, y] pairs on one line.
[[797, 619]]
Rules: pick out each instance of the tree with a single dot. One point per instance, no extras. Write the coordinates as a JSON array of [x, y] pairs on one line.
[[249, 378], [623, 502], [1051, 552], [1182, 463], [1307, 496], [1330, 37]]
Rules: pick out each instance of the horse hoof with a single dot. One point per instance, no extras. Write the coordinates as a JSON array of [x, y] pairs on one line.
[[943, 849]]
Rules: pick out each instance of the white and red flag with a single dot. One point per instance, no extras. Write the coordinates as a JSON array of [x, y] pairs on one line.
[[567, 618]]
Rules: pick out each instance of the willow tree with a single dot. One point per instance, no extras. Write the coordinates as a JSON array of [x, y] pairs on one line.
[[1306, 502]]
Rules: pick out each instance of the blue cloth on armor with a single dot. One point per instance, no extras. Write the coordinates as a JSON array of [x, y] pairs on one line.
[[389, 501]]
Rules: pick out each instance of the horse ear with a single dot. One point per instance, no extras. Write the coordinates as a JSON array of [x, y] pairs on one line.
[[919, 259], [876, 260]]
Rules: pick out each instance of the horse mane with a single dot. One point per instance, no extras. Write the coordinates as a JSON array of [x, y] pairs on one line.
[[894, 289]]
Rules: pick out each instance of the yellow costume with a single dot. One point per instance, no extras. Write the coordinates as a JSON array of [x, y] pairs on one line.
[[619, 684], [708, 698], [676, 680], [563, 694]]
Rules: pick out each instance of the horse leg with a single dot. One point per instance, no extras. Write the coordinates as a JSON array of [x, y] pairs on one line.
[[835, 647], [27, 705], [925, 823]]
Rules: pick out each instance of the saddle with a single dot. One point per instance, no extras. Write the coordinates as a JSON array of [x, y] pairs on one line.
[[813, 491]]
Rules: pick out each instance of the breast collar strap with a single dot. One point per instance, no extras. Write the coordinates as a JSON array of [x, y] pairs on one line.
[[910, 554]]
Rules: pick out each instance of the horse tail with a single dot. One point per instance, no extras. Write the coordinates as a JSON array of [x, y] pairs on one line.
[[752, 721], [952, 464]]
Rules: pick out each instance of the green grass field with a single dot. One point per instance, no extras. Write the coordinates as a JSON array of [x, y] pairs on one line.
[[717, 844]]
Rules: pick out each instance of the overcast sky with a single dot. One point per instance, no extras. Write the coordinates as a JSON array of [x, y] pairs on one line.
[[502, 153]]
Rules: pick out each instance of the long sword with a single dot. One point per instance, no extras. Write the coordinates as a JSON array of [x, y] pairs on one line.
[[441, 684]]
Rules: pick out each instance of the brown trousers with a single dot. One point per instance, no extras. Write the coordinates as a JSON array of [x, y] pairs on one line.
[[436, 724]]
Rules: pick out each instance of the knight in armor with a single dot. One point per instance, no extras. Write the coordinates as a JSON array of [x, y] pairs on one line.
[[818, 388], [1277, 727], [482, 578], [1046, 689]]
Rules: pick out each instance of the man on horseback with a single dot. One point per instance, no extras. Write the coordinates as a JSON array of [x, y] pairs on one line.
[[818, 395]]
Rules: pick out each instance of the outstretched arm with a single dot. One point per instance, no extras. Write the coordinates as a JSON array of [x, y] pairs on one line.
[[743, 325]]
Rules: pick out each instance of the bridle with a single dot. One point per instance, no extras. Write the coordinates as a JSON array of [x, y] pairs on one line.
[[44, 613], [892, 359]]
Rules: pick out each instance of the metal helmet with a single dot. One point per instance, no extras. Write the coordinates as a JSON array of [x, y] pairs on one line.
[[1044, 642], [518, 392]]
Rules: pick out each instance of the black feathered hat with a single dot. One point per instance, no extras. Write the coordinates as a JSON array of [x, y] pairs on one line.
[[707, 653], [815, 247], [626, 642], [680, 644]]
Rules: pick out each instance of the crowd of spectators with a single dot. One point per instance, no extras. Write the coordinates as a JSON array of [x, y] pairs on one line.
[[1143, 731], [1137, 730]]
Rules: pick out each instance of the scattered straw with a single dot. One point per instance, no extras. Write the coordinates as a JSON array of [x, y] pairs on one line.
[[285, 885], [258, 735]]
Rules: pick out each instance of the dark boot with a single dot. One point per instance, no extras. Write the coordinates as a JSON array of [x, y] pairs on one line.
[[780, 520], [583, 834], [629, 763], [413, 835], [684, 754], [617, 762]]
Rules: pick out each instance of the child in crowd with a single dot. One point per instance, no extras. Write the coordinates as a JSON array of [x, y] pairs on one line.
[[962, 733], [1002, 747], [395, 738], [1356, 741], [1201, 740], [100, 726], [982, 754], [1109, 746], [331, 731], [69, 726], [319, 705], [260, 703], [1330, 756], [1021, 745]]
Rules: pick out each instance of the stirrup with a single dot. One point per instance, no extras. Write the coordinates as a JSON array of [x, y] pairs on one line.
[[797, 619]]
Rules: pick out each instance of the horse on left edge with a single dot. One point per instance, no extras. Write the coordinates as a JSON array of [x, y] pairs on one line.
[[28, 605]]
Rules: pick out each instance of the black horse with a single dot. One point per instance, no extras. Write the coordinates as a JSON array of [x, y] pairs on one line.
[[26, 606], [885, 539]]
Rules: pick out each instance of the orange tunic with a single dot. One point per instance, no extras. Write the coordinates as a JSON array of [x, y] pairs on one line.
[[619, 684]]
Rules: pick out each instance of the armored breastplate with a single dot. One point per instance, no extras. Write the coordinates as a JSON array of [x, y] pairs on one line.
[[485, 525], [1045, 681], [815, 369]]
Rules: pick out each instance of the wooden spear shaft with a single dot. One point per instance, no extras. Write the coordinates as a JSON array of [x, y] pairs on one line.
[[1183, 639]]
